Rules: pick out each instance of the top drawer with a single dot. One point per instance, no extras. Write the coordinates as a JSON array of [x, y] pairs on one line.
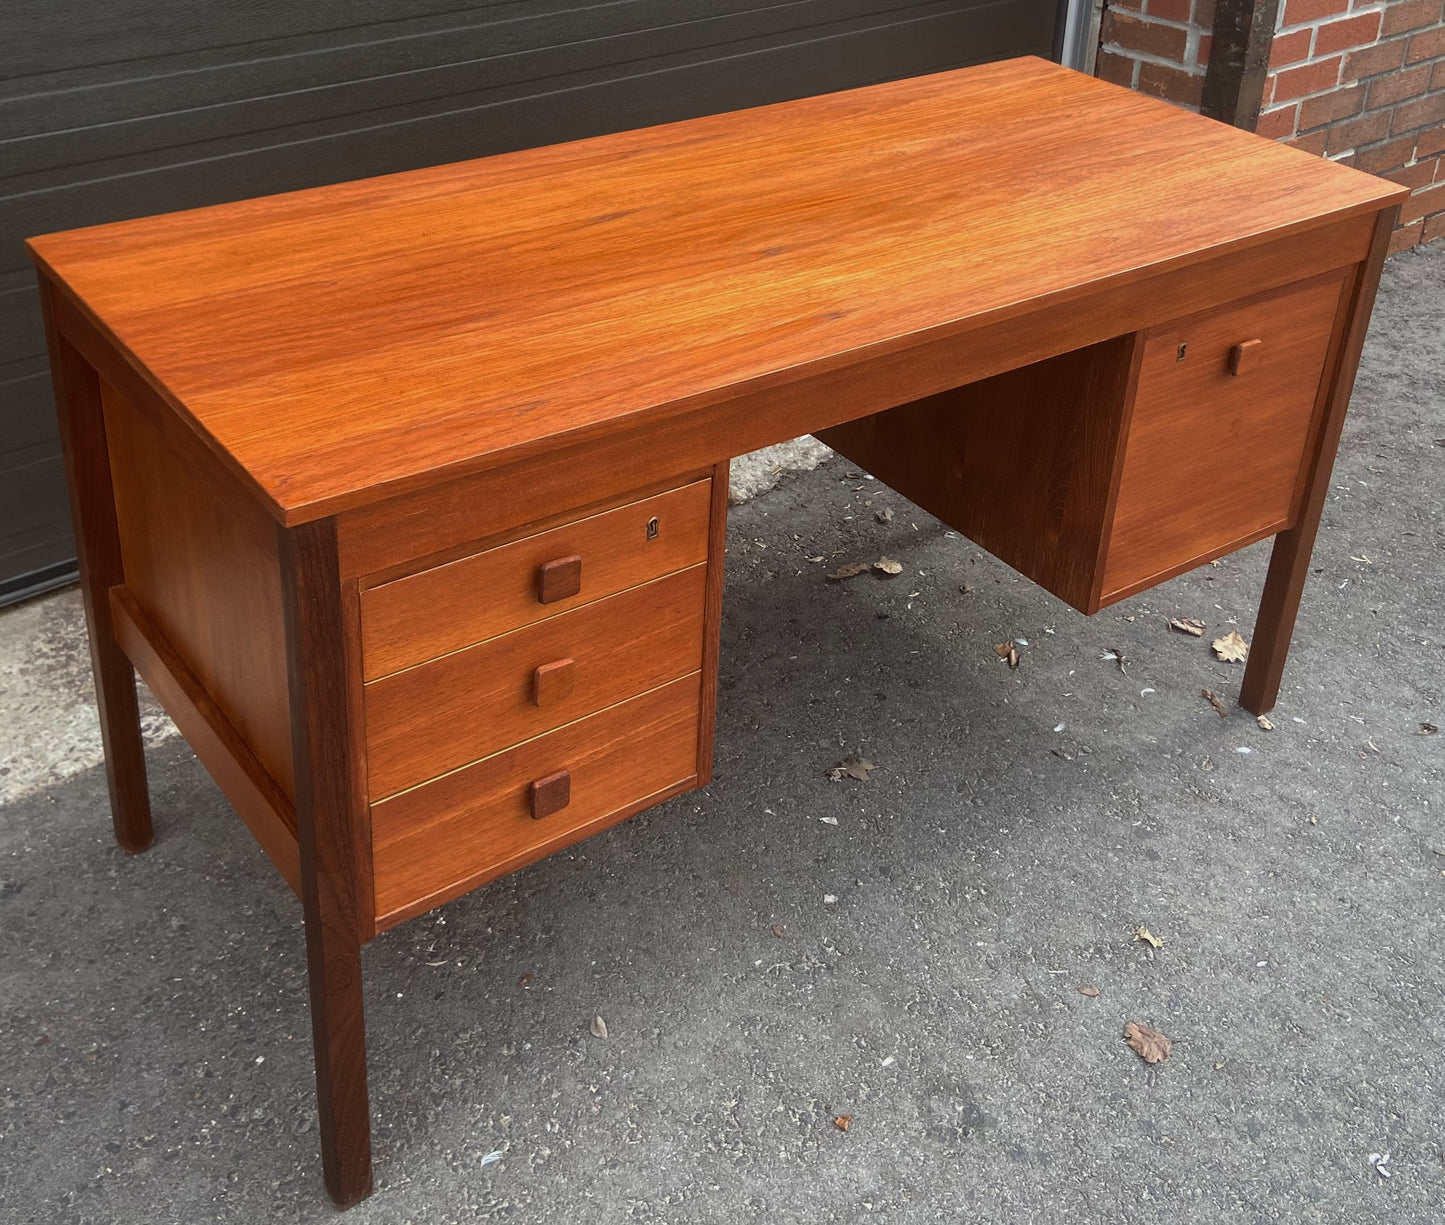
[[1224, 414], [419, 617]]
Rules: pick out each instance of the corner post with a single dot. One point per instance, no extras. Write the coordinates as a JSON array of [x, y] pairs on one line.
[[97, 546], [331, 837], [1289, 563], [1234, 80]]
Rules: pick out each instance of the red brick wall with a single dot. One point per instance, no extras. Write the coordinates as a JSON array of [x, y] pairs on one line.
[[1158, 47], [1363, 82]]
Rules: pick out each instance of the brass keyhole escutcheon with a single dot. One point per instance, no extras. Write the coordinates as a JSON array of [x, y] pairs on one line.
[[652, 528], [1179, 356]]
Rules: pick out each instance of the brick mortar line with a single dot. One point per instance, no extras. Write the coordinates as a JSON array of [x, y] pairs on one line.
[[1312, 57], [1314, 23], [1164, 21], [1144, 57]]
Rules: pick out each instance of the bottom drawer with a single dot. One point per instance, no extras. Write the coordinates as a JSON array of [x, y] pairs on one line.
[[450, 834]]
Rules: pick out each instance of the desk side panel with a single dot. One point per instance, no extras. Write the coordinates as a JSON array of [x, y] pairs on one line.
[[203, 564], [254, 795]]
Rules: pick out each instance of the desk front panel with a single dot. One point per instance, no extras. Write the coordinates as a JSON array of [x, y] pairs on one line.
[[578, 687]]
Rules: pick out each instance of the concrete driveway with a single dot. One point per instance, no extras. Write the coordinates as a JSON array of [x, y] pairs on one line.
[[781, 950]]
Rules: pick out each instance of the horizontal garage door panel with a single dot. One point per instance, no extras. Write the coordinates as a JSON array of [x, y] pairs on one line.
[[143, 106]]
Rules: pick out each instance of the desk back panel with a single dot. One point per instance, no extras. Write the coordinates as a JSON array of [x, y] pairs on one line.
[[1022, 463]]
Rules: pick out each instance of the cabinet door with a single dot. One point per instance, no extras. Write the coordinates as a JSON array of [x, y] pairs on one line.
[[1224, 411]]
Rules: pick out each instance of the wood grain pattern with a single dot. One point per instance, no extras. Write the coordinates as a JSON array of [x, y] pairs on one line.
[[450, 711], [1289, 562], [97, 541], [243, 780], [332, 836], [650, 451], [675, 265], [412, 619], [439, 840], [204, 566], [1212, 457], [1020, 463]]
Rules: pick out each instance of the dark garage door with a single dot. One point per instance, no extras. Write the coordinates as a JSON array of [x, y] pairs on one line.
[[118, 108]]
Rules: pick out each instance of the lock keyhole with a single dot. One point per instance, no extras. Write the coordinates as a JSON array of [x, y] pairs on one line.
[[652, 528], [1179, 356]]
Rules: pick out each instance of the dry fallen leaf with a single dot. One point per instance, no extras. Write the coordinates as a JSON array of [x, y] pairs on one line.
[[1007, 652], [850, 569], [888, 568], [1091, 992], [843, 1122], [1114, 655], [1231, 648], [885, 515], [526, 979], [1144, 935], [1214, 700], [815, 560], [598, 1026], [1187, 625], [1427, 729], [1264, 724], [852, 767], [1150, 1044], [778, 930]]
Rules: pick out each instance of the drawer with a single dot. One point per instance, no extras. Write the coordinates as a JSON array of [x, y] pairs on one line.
[[448, 607], [438, 840], [447, 712], [1223, 411]]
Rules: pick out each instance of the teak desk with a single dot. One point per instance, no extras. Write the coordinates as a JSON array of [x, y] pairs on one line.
[[407, 496]]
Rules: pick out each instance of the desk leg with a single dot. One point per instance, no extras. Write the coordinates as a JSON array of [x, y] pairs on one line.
[[97, 546], [1290, 562], [329, 832]]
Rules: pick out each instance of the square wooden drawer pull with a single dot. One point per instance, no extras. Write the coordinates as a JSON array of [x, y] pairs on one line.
[[559, 579], [553, 682], [1243, 356], [551, 794]]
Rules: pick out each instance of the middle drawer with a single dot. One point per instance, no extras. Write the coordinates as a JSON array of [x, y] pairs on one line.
[[447, 712]]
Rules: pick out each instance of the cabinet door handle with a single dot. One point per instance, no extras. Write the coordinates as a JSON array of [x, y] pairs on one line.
[[551, 794], [1244, 355], [559, 579], [553, 682]]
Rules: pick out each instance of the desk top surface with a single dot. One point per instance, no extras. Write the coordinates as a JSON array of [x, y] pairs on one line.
[[344, 343]]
